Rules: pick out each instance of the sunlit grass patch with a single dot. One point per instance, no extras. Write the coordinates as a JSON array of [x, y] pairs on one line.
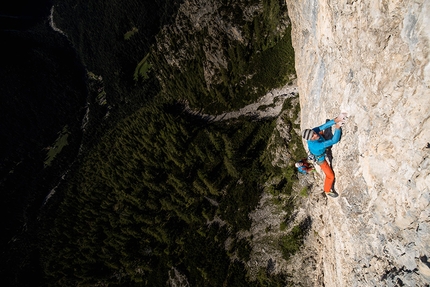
[[130, 33], [142, 69], [56, 148]]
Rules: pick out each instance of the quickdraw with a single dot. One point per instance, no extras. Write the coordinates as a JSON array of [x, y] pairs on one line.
[[315, 158]]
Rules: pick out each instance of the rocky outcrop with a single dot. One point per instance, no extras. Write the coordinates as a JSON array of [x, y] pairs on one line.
[[370, 58], [207, 29]]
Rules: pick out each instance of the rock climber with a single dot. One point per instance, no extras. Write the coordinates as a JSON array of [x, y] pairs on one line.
[[303, 166], [318, 145]]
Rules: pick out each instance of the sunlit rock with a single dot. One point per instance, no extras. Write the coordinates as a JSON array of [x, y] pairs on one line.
[[370, 58]]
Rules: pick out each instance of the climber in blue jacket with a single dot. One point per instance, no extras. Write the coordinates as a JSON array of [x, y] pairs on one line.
[[318, 145]]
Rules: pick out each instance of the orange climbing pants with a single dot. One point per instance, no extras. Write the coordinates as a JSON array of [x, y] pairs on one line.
[[329, 175]]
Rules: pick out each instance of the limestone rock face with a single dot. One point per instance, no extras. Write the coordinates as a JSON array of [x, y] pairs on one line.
[[371, 59]]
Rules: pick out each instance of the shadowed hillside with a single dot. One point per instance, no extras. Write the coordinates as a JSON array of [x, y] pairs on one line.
[[151, 194]]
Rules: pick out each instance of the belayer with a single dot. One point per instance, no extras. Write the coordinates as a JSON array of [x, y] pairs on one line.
[[318, 145], [303, 166]]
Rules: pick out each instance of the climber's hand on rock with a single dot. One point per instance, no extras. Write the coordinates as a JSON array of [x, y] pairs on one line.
[[341, 117], [340, 120]]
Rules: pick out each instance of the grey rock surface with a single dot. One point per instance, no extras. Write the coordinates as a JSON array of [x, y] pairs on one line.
[[371, 59]]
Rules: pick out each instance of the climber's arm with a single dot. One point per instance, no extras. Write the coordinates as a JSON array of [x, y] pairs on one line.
[[334, 140], [324, 126]]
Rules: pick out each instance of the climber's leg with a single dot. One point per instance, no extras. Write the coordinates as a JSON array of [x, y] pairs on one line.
[[329, 176]]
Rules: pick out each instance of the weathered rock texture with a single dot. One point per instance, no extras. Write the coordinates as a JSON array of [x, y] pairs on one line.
[[370, 58]]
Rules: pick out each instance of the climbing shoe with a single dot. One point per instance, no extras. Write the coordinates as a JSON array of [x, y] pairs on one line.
[[332, 193]]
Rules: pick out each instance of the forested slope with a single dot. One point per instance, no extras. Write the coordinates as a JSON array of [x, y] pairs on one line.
[[142, 202], [158, 194]]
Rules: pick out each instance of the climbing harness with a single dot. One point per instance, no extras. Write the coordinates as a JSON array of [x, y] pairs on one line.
[[315, 158]]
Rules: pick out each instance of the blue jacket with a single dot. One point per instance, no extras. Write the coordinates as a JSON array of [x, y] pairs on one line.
[[302, 169], [319, 146]]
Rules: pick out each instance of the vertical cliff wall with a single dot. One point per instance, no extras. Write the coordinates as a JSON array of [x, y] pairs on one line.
[[370, 58]]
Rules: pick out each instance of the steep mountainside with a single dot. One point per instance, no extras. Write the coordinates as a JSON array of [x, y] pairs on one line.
[[221, 55], [370, 58], [163, 192]]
